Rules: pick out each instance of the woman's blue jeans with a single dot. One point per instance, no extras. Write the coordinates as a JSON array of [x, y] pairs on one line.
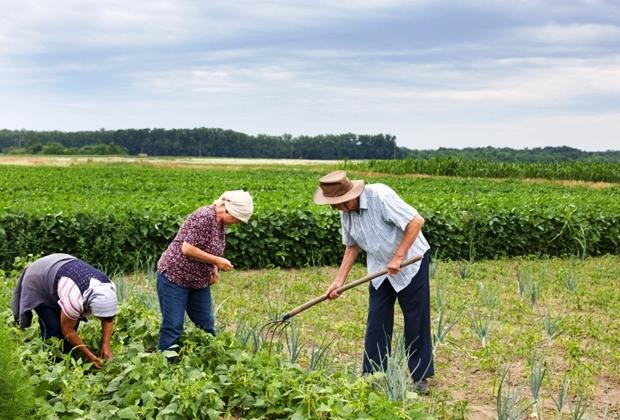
[[174, 301]]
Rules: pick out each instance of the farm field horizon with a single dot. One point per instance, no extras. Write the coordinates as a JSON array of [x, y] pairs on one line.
[[527, 270]]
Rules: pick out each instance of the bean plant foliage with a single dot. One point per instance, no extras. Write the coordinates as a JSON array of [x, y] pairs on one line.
[[214, 377], [121, 216]]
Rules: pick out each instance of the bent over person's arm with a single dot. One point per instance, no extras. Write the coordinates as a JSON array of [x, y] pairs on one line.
[[67, 326], [107, 326]]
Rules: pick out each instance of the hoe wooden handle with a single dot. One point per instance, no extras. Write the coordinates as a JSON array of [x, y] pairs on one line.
[[346, 287]]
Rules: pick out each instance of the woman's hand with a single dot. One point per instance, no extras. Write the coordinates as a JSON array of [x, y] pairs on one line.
[[95, 361], [215, 276], [106, 353], [223, 264]]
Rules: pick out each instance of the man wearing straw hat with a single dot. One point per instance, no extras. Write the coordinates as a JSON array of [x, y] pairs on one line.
[[375, 219]]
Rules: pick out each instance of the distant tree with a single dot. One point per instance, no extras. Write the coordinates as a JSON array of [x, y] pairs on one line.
[[53, 148]]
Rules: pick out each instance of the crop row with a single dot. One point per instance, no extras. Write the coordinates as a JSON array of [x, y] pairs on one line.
[[122, 217], [296, 238], [447, 166]]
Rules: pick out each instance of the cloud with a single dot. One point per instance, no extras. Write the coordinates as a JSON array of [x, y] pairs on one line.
[[570, 34], [310, 66]]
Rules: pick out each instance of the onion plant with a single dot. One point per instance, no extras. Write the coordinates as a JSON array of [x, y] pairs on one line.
[[395, 381], [552, 325], [571, 281], [443, 327], [465, 268], [537, 374], [318, 356], [579, 409], [481, 325], [293, 343], [534, 293], [434, 266], [509, 403], [524, 279], [560, 402], [247, 334], [489, 297]]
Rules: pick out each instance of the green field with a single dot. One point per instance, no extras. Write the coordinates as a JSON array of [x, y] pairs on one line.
[[546, 310], [121, 215]]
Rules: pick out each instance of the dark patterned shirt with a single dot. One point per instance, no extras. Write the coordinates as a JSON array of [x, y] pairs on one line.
[[201, 230]]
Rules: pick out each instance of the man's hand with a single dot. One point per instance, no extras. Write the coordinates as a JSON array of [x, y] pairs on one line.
[[331, 291], [393, 266]]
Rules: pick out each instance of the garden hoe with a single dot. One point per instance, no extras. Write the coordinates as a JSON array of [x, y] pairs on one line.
[[275, 328]]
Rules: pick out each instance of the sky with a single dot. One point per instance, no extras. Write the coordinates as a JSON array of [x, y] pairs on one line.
[[433, 73]]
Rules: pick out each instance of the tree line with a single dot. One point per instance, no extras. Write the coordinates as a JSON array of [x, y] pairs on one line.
[[217, 142], [506, 154], [211, 142]]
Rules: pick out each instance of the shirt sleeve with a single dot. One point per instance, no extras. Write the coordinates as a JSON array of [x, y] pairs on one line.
[[70, 298], [395, 210], [197, 227]]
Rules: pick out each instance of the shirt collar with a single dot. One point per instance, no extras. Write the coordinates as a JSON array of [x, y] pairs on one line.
[[363, 200]]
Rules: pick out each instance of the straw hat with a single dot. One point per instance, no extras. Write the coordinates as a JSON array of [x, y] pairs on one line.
[[336, 188]]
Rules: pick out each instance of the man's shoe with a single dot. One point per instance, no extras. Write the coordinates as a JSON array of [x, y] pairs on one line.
[[422, 387]]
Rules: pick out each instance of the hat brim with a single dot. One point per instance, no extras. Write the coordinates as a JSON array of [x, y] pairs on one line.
[[358, 187]]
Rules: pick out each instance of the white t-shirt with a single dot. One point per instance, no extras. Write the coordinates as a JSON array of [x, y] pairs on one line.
[[70, 298]]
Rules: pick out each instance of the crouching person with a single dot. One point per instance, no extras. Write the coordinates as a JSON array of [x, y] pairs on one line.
[[63, 290]]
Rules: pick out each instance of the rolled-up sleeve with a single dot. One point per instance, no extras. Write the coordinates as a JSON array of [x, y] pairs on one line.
[[395, 210]]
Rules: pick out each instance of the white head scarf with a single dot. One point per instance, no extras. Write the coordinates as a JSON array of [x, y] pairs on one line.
[[238, 203], [100, 298]]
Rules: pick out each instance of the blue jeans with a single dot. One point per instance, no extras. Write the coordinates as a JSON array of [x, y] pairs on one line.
[[414, 301], [49, 322], [174, 301]]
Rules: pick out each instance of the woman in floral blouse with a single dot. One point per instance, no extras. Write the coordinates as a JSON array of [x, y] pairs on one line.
[[191, 264]]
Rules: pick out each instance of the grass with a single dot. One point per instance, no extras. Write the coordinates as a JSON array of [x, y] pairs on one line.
[[587, 353]]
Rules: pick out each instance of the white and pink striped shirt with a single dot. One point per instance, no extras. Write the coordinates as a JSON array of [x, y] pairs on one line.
[[70, 298]]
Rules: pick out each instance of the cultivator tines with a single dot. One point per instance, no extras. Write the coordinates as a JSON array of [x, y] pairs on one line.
[[271, 331]]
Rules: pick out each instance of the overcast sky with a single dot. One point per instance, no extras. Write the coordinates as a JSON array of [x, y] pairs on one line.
[[515, 73]]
